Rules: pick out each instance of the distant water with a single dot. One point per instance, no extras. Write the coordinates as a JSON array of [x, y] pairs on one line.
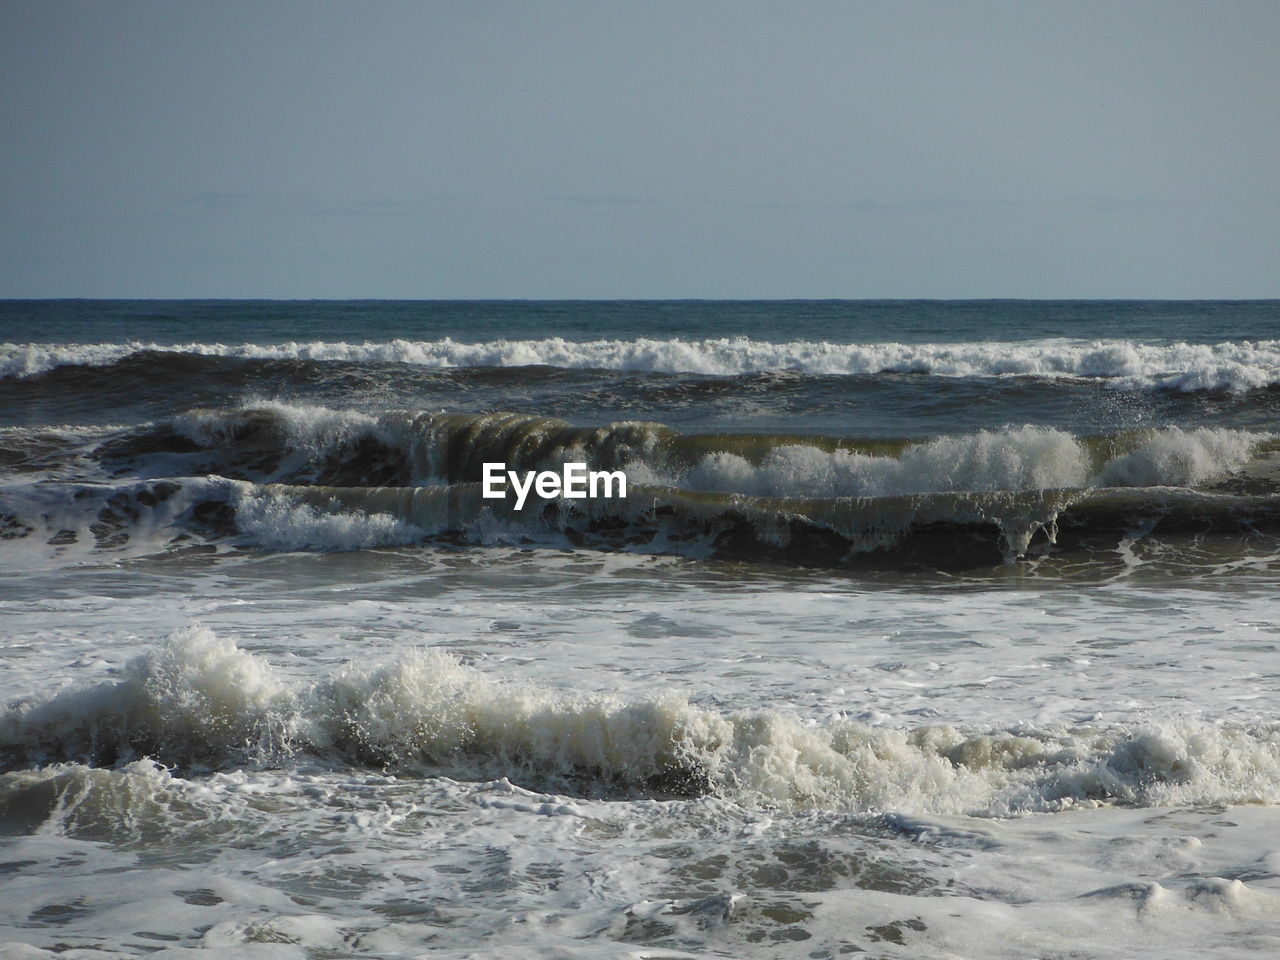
[[925, 629]]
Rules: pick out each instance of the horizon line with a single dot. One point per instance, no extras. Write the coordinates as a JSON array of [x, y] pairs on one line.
[[990, 299]]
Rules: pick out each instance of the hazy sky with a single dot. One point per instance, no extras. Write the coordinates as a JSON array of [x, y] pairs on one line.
[[641, 149]]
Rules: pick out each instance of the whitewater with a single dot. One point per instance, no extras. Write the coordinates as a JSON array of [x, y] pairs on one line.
[[1174, 366]]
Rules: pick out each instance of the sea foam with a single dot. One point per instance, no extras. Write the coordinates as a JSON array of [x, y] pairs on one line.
[[1013, 459], [198, 701]]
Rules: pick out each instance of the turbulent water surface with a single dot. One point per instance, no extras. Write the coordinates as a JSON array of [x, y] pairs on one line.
[[924, 629]]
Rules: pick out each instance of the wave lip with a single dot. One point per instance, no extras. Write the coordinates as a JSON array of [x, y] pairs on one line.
[[286, 443], [1226, 366], [197, 703]]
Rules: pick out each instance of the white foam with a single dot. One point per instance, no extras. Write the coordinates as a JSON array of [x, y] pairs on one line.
[[1235, 366], [427, 707], [32, 359], [1013, 459], [311, 429], [1023, 458], [1182, 458], [201, 700], [62, 522], [195, 697], [59, 524], [279, 865], [277, 520]]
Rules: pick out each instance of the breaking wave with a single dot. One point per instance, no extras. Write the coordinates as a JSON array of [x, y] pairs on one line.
[[281, 477], [1023, 458], [276, 442], [198, 702], [1187, 367]]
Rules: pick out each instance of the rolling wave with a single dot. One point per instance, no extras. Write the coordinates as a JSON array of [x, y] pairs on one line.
[[197, 702], [1227, 366], [275, 442]]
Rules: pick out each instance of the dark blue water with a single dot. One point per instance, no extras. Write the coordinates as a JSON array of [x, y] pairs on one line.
[[836, 321]]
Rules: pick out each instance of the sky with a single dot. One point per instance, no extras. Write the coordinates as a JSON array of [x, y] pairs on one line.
[[647, 149]]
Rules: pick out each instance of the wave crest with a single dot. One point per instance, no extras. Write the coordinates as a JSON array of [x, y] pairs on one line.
[[277, 442], [1227, 366]]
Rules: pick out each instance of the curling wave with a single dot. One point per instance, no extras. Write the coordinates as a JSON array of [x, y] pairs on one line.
[[276, 442]]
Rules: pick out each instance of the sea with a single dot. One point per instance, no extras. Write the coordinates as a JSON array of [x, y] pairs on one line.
[[925, 629]]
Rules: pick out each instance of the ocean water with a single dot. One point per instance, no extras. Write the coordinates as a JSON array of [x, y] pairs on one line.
[[925, 629]]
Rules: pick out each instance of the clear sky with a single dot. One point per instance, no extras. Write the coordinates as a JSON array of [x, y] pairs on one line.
[[642, 149]]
